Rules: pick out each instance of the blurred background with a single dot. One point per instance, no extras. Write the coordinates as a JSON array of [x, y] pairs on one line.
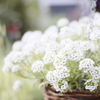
[[19, 16]]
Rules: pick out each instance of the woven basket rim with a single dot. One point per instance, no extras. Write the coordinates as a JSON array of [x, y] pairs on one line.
[[49, 91]]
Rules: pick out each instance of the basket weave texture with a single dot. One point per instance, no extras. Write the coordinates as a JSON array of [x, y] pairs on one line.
[[51, 94]]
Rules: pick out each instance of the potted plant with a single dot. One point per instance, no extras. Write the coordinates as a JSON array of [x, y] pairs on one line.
[[64, 59]]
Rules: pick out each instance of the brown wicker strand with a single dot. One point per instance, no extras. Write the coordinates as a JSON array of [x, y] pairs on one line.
[[51, 94]]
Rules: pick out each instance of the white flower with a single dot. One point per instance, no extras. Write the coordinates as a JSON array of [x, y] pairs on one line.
[[96, 21], [15, 57], [64, 86], [64, 42], [11, 67], [47, 37], [66, 32], [61, 73], [97, 16], [76, 55], [59, 60], [34, 47], [28, 48], [94, 47], [7, 67], [49, 57], [95, 35], [15, 68], [31, 36], [18, 57], [91, 84], [8, 57], [52, 46], [17, 46], [37, 66], [62, 22], [36, 35], [26, 36], [52, 29], [85, 20], [57, 75], [16, 86], [73, 46], [85, 45], [77, 28], [86, 64], [51, 78], [61, 87], [95, 72]]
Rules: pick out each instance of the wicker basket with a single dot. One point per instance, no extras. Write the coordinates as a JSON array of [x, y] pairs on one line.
[[51, 94]]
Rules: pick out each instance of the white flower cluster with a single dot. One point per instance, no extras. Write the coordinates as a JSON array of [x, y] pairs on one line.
[[52, 46], [49, 57], [66, 32], [37, 66], [57, 78], [11, 67], [73, 50], [95, 72], [95, 35], [91, 84], [62, 22], [61, 45], [17, 85], [87, 65], [59, 60], [47, 37]]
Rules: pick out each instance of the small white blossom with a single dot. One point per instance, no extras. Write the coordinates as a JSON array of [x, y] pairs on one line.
[[15, 68], [18, 57], [61, 72], [17, 85], [73, 46], [94, 47], [85, 20], [52, 29], [59, 60], [37, 66], [26, 36], [76, 55], [95, 72], [62, 22], [62, 87], [85, 45], [49, 57], [47, 38], [91, 84], [58, 74], [11, 67], [8, 57], [17, 46], [86, 64], [51, 78], [31, 36], [66, 32], [7, 67], [95, 35], [28, 48], [64, 42], [52, 46]]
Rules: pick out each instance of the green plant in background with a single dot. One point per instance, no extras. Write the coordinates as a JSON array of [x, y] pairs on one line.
[[23, 12], [63, 56]]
